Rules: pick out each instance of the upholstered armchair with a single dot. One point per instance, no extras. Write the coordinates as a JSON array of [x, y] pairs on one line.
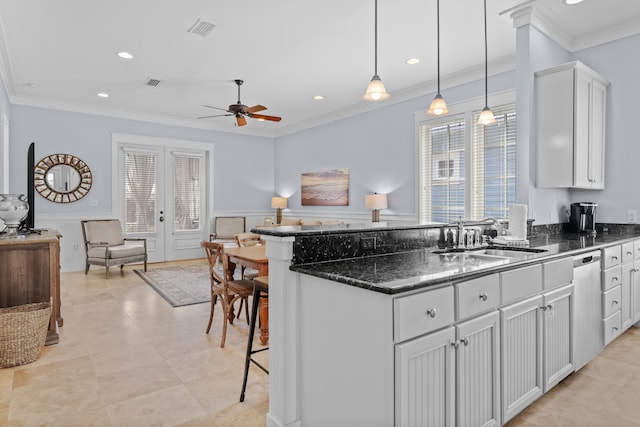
[[226, 227], [105, 245]]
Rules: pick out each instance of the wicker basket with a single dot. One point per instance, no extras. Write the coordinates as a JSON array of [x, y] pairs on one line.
[[23, 331]]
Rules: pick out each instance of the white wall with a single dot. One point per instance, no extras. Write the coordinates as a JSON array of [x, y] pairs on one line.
[[243, 165], [378, 147], [619, 63]]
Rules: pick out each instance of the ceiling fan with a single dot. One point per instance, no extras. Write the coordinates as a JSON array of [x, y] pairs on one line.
[[241, 111]]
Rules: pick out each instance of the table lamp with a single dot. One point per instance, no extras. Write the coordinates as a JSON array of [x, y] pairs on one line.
[[375, 202], [278, 203]]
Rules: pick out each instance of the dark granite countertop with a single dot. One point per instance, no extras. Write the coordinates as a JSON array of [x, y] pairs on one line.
[[415, 269]]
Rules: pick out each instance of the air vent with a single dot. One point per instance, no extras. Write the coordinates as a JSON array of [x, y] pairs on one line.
[[202, 28], [153, 82]]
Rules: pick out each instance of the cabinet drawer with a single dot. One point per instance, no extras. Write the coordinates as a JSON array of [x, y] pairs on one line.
[[627, 252], [611, 256], [611, 277], [612, 327], [477, 296], [417, 314], [611, 301], [520, 283], [556, 273]]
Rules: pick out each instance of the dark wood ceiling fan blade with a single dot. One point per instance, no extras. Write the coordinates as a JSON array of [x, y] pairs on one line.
[[241, 121], [263, 117], [217, 108], [255, 108], [217, 115]]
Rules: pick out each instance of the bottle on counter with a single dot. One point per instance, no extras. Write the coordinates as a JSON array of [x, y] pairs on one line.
[[450, 238]]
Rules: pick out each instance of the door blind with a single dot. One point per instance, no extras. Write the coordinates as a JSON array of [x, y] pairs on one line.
[[140, 192]]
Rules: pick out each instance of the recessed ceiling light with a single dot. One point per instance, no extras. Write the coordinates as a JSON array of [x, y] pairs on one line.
[[103, 95], [318, 97], [412, 61], [125, 55], [572, 1]]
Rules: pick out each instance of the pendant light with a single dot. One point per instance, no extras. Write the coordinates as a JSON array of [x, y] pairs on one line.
[[376, 90], [438, 106], [486, 116]]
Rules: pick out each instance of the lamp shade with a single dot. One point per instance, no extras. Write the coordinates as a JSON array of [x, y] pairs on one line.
[[376, 90], [376, 201], [438, 106], [278, 202]]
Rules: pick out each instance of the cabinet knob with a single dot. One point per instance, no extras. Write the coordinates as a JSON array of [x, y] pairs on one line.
[[629, 253], [614, 279], [465, 341], [455, 344], [483, 296], [431, 312], [547, 307], [614, 257], [615, 328], [614, 302]]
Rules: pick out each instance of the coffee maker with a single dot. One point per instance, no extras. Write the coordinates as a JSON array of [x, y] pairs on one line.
[[583, 218]]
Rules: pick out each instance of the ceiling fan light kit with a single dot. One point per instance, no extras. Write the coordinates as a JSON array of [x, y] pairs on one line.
[[375, 89], [241, 111]]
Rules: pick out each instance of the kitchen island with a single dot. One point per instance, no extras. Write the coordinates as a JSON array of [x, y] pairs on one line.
[[354, 326]]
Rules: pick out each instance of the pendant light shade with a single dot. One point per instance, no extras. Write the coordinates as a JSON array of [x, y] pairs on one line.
[[486, 116], [375, 90], [438, 105]]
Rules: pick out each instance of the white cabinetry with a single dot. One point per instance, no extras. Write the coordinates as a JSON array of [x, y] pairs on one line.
[[452, 376], [571, 112], [536, 339], [612, 288]]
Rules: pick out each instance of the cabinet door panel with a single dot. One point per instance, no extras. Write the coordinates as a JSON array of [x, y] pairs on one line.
[[478, 372], [521, 337], [558, 354], [424, 380], [626, 301]]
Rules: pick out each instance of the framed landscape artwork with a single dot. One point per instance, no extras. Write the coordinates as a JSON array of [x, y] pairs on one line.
[[329, 188]]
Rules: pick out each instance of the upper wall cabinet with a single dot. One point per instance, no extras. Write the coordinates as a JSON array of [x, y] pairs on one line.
[[571, 110]]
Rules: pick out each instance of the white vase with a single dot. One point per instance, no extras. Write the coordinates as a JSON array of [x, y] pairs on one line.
[[13, 209]]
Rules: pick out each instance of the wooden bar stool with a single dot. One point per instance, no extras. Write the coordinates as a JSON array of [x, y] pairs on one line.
[[260, 286]]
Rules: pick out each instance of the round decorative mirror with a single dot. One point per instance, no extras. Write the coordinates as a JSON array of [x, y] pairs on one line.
[[62, 178]]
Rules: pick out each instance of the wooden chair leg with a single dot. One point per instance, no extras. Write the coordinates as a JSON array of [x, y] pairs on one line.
[[214, 298], [86, 268], [224, 327], [106, 271]]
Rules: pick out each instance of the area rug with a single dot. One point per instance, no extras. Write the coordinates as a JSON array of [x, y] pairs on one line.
[[180, 285]]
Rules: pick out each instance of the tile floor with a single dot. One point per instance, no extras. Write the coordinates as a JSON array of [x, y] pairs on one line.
[[127, 358]]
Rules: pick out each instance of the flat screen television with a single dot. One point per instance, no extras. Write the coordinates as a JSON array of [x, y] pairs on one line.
[[28, 223]]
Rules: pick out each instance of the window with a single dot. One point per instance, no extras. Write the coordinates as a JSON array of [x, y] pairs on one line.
[[467, 170]]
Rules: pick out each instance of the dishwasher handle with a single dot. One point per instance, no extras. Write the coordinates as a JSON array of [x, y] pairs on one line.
[[587, 259]]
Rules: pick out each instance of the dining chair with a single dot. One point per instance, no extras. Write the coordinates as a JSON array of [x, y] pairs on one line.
[[223, 287], [245, 240]]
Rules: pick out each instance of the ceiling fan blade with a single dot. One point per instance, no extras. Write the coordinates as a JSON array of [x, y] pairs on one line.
[[217, 115], [217, 108], [255, 109], [263, 117], [241, 121]]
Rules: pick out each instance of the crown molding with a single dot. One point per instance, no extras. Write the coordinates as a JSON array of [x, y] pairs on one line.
[[536, 14], [472, 74], [129, 115]]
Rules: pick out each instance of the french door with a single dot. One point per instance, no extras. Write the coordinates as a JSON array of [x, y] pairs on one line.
[[162, 194]]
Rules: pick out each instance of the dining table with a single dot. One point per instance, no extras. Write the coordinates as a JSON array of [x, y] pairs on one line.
[[254, 257]]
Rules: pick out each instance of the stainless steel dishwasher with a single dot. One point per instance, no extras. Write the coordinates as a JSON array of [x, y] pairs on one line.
[[587, 330]]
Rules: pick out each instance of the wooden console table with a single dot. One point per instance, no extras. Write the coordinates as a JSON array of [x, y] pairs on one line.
[[30, 272]]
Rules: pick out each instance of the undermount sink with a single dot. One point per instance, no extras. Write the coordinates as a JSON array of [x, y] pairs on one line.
[[491, 253]]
